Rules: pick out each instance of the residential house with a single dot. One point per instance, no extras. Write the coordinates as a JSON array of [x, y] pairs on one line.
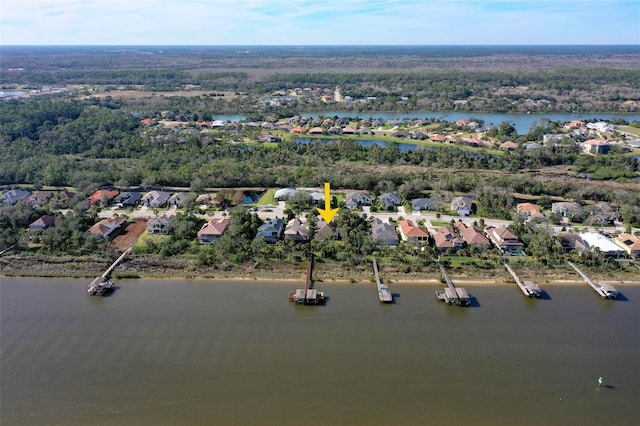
[[472, 236], [179, 198], [284, 193], [323, 230], [630, 243], [159, 225], [357, 199], [389, 200], [446, 239], [296, 230], [107, 228], [601, 126], [38, 198], [462, 205], [384, 234], [269, 137], [606, 246], [412, 233], [128, 199], [62, 198], [570, 241], [508, 146], [103, 196], [530, 210], [423, 204], [155, 199], [212, 230], [317, 197], [209, 199], [271, 230], [13, 196], [504, 239], [596, 146], [532, 146], [43, 223], [566, 209]]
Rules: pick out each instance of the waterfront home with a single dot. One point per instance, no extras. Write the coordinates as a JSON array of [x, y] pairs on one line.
[[128, 199], [606, 246], [566, 209], [462, 205], [384, 234], [357, 199], [296, 230], [323, 230], [504, 239], [472, 236], [159, 225], [271, 230], [423, 204], [529, 210], [389, 200], [38, 198], [13, 196], [596, 146], [629, 243], [107, 228], [103, 196], [412, 233], [446, 239], [212, 230], [41, 224], [284, 193], [155, 199]]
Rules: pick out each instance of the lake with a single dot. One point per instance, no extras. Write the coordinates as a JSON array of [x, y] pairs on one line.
[[522, 122], [176, 352]]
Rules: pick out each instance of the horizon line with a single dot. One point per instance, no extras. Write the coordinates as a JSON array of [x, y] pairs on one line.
[[321, 45]]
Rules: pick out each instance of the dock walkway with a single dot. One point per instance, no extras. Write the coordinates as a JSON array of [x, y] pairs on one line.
[[452, 294], [529, 288], [606, 291], [98, 282], [307, 295], [384, 295]]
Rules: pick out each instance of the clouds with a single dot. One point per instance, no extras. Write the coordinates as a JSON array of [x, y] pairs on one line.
[[301, 22]]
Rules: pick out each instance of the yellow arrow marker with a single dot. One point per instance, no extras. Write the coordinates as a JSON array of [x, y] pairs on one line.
[[327, 213]]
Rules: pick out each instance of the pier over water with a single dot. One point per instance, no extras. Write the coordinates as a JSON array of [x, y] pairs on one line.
[[452, 294], [606, 291], [307, 295], [384, 295], [529, 288]]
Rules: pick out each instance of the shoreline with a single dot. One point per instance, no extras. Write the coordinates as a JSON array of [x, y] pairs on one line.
[[88, 267]]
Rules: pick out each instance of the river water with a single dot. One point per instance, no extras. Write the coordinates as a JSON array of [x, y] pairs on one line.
[[175, 352]]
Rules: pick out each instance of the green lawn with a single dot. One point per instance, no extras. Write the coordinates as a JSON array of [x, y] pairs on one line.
[[267, 198], [439, 223]]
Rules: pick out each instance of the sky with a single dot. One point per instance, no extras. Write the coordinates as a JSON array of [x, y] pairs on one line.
[[318, 22]]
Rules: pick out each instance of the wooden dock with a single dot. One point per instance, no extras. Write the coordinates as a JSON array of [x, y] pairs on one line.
[[606, 291], [528, 288], [384, 295], [307, 295], [452, 294], [98, 282]]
